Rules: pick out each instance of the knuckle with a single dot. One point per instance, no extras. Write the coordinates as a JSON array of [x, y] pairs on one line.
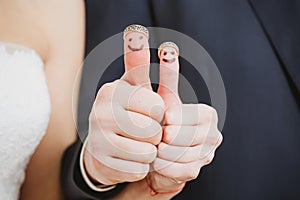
[[100, 114], [140, 170], [154, 131], [161, 146], [110, 91], [201, 155], [167, 136], [215, 138], [158, 100], [212, 114], [149, 153], [151, 133], [92, 116], [99, 162], [97, 116], [197, 152], [156, 139], [157, 129], [191, 174], [104, 94], [121, 84], [106, 88], [169, 115], [220, 139], [137, 176], [209, 158], [118, 81]]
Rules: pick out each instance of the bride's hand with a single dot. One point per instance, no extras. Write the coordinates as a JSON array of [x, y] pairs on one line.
[[124, 124]]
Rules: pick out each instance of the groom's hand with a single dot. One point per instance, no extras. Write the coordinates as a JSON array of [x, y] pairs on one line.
[[124, 124], [190, 133]]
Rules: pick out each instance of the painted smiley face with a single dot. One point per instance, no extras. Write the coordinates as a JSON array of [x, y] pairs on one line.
[[168, 55], [136, 41]]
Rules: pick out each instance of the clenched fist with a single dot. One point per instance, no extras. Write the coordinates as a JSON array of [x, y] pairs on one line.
[[190, 133], [124, 124], [137, 134]]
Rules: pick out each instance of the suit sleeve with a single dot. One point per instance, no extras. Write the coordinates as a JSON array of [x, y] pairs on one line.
[[73, 185]]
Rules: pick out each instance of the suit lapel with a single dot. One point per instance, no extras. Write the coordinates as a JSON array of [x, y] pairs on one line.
[[281, 23]]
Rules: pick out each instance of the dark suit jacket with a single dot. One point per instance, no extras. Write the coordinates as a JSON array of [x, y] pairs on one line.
[[256, 46]]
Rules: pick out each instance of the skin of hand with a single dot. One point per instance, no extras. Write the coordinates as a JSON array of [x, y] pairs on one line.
[[126, 141], [190, 132], [124, 124]]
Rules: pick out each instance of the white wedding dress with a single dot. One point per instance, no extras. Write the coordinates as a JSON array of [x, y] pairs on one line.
[[24, 114]]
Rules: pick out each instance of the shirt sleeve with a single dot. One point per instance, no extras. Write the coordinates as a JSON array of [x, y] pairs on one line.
[[97, 188], [74, 185]]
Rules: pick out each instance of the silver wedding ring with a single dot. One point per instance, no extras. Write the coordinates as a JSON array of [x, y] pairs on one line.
[[168, 44], [136, 28]]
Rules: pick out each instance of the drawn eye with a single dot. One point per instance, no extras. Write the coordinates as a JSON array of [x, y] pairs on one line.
[[165, 53], [173, 53], [130, 39], [141, 37]]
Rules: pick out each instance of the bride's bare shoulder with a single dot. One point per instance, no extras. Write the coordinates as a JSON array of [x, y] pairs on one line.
[[40, 25]]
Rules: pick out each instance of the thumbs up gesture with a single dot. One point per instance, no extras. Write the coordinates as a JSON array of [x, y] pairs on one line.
[[190, 133], [137, 134], [124, 124]]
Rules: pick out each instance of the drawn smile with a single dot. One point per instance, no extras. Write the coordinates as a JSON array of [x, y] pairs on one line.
[[135, 49], [169, 60]]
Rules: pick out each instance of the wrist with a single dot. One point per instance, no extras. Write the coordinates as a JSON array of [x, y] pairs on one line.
[[141, 190], [159, 184], [87, 168]]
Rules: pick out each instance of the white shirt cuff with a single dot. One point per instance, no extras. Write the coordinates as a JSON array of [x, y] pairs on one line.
[[97, 188]]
